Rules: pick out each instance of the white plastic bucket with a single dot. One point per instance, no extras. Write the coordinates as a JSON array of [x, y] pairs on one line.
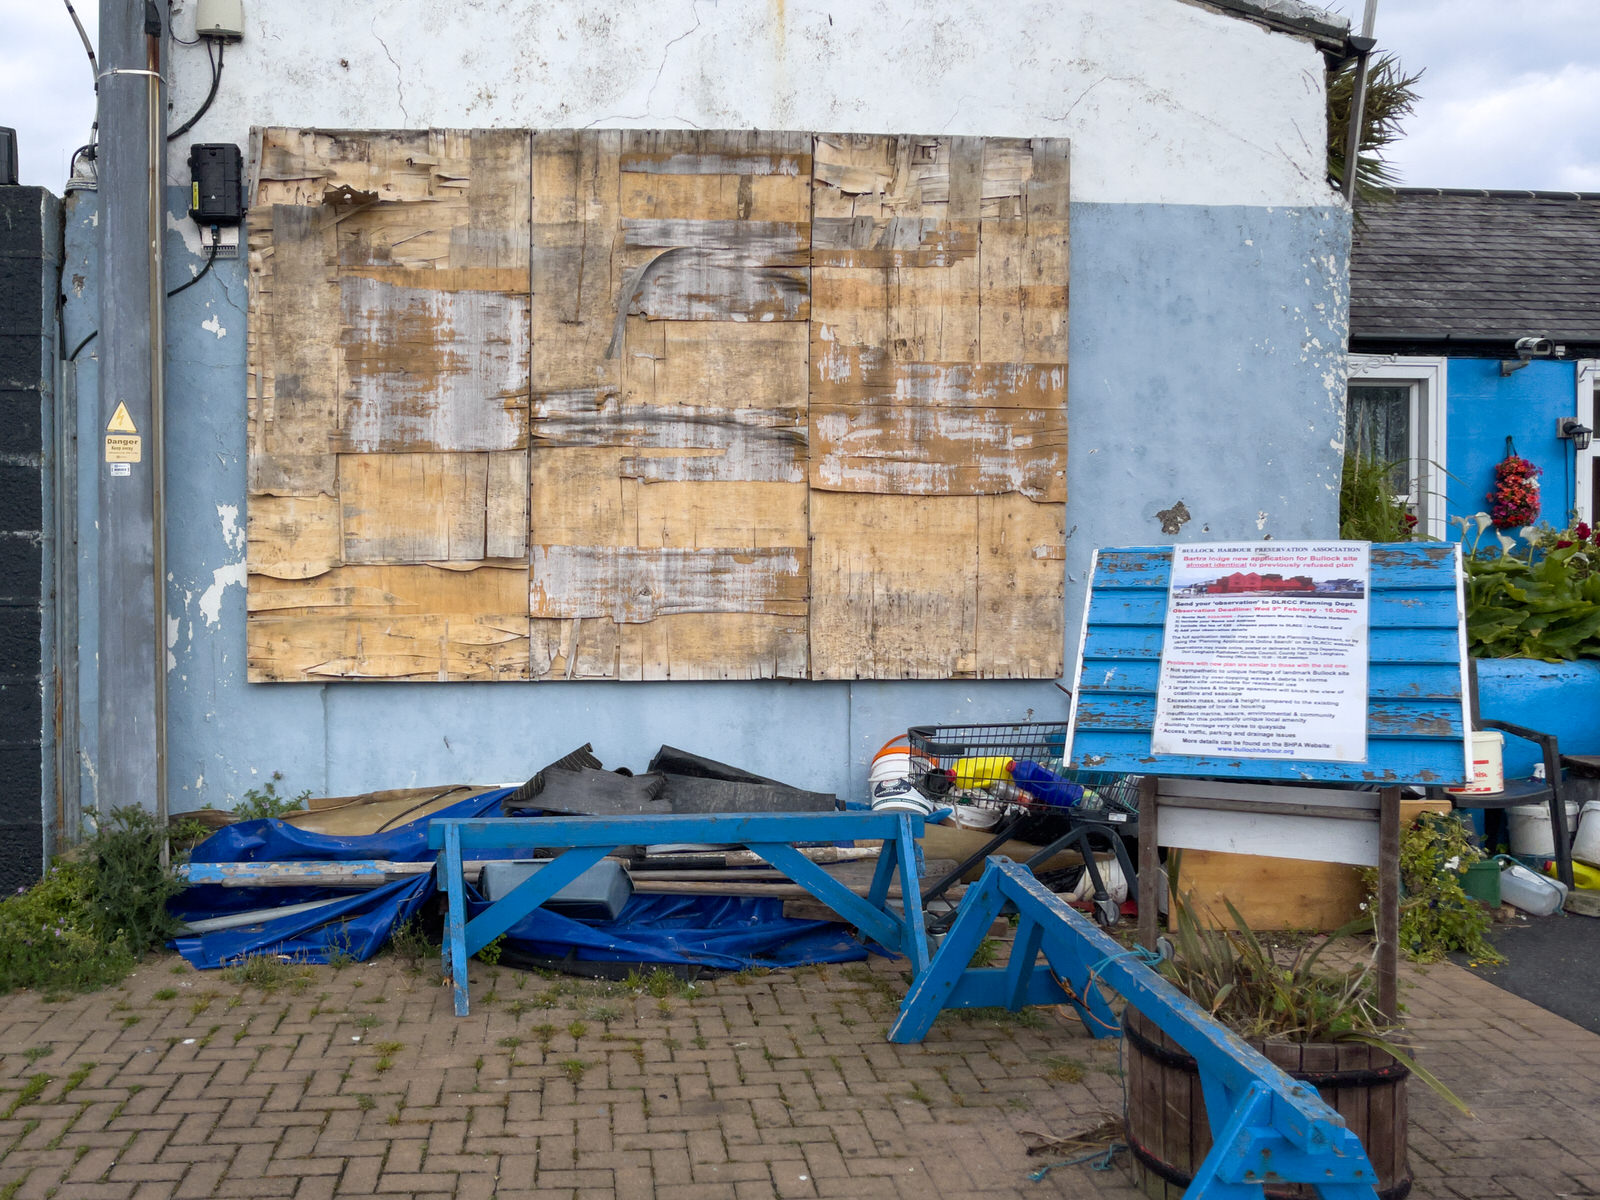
[[1488, 764], [1530, 828], [1586, 844], [970, 816], [1536, 894]]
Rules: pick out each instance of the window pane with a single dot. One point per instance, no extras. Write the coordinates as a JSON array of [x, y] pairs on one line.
[[1378, 425]]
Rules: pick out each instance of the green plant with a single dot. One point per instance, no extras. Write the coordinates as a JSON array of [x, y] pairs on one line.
[[1368, 510], [491, 953], [573, 1069], [1243, 984], [1391, 96], [29, 1092], [411, 946], [1436, 915], [266, 802], [129, 886], [1543, 602]]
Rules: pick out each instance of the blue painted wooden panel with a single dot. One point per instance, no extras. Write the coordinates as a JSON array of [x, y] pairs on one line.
[[1415, 716]]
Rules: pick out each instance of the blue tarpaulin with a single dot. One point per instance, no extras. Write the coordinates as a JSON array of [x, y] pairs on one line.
[[712, 931]]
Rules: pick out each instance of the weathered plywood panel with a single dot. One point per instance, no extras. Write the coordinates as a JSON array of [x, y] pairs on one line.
[[431, 369], [745, 365], [1021, 586], [418, 508], [938, 370], [576, 264], [293, 537], [656, 405], [926, 450], [392, 622], [681, 646], [633, 585], [894, 586], [765, 515], [295, 402]]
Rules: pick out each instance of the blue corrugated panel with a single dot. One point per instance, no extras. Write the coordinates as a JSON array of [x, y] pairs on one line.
[[1415, 715]]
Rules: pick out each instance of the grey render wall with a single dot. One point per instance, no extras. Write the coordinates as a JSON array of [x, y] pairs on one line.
[[30, 257], [1207, 326], [1203, 342]]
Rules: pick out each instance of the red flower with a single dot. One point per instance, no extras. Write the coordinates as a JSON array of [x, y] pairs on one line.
[[1563, 544], [1582, 530]]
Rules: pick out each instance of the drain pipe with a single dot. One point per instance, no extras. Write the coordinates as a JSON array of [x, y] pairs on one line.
[[156, 166], [1358, 100]]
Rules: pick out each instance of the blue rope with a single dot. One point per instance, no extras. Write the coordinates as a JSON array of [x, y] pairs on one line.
[[1102, 1161]]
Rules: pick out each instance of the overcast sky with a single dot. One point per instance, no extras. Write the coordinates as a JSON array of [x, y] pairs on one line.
[[1508, 99]]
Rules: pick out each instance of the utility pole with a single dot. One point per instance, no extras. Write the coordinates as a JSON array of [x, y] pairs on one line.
[[123, 458]]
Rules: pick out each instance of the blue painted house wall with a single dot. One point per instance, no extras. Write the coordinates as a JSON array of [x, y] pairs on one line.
[[1484, 407]]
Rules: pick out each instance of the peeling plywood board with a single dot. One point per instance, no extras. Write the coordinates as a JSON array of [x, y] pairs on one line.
[[938, 372], [894, 586], [418, 508], [1021, 588], [432, 369], [697, 386], [667, 524], [682, 646], [633, 585], [390, 622]]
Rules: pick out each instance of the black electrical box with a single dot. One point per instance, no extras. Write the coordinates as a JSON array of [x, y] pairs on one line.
[[216, 193]]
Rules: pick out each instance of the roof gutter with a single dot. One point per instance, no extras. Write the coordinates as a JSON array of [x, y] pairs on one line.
[[1328, 32]]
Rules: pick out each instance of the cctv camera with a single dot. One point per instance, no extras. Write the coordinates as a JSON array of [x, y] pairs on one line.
[[1535, 347]]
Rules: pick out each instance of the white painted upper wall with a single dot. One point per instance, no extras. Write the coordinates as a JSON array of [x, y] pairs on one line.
[[1165, 102]]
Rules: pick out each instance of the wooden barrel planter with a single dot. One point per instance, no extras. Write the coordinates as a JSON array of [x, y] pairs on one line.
[[1168, 1134]]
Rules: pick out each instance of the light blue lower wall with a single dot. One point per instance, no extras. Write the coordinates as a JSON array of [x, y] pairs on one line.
[[1558, 698], [1206, 369], [1484, 407]]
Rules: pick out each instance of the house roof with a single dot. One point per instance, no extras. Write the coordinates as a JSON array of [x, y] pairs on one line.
[[1445, 265]]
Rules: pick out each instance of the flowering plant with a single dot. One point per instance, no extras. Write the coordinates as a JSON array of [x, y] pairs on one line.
[[1542, 603], [1514, 498]]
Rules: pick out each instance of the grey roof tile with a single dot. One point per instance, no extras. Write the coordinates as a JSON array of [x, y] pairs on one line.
[[1477, 265]]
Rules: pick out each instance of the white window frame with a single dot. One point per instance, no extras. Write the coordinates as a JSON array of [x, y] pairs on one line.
[[1587, 408], [1426, 378]]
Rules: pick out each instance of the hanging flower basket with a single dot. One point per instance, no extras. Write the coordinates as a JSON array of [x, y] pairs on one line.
[[1514, 498]]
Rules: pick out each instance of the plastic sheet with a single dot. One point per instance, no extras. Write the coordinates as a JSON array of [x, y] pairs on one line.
[[712, 931]]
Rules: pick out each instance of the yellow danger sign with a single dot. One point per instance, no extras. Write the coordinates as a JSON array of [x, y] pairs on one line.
[[121, 422], [123, 447]]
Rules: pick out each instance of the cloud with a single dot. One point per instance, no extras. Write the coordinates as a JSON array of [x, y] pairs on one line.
[[1507, 94], [46, 87], [1535, 130]]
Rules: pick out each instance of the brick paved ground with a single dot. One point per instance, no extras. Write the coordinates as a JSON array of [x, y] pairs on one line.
[[314, 1083]]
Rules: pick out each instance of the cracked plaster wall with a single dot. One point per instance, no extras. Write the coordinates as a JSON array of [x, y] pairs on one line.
[[1209, 297]]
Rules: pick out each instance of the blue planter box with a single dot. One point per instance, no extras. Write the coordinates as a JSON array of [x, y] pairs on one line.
[[1558, 698]]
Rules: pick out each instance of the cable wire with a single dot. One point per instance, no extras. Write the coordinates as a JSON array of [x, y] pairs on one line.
[[216, 245], [216, 78], [216, 242]]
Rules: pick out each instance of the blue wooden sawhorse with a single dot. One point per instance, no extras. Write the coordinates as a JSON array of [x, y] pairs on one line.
[[1271, 1128], [771, 835]]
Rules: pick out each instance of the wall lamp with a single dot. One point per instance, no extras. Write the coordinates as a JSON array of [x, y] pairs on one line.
[[1571, 427]]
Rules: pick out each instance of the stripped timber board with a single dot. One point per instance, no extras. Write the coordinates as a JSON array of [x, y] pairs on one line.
[[692, 381]]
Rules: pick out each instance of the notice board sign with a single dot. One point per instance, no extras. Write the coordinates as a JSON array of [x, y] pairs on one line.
[[1265, 652], [1416, 719]]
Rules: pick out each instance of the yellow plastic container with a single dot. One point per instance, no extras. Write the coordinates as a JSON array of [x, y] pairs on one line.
[[1583, 875], [975, 772]]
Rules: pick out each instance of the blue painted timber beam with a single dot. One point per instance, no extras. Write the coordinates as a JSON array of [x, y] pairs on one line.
[[585, 840], [1274, 1128]]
